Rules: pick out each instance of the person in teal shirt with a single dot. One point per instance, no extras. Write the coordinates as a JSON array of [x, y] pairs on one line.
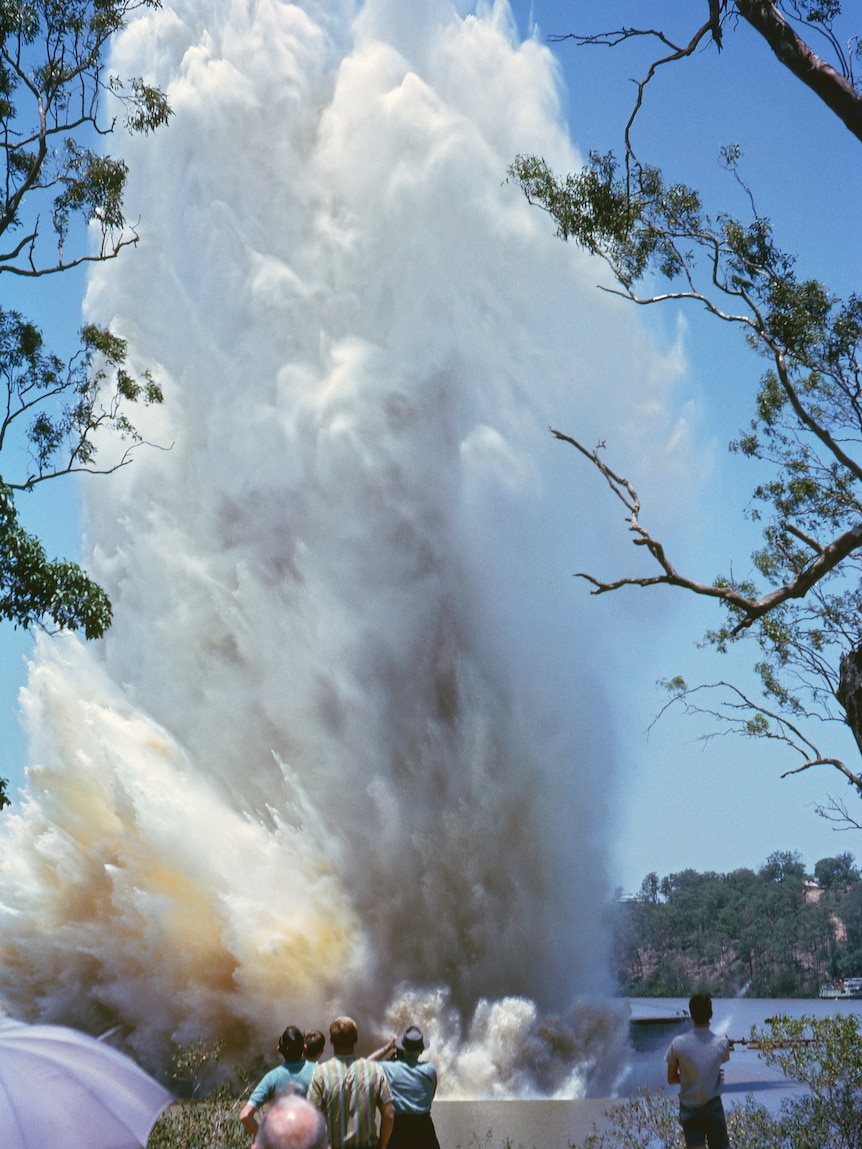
[[412, 1084], [294, 1072]]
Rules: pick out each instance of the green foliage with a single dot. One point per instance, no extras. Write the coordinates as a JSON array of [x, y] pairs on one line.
[[774, 932], [207, 1117], [839, 873], [783, 866], [32, 587], [825, 1055], [211, 1124], [194, 1066], [650, 1120], [62, 409], [52, 79], [822, 1053], [53, 83], [807, 407], [753, 1126], [57, 411], [645, 1120], [629, 224], [803, 604]]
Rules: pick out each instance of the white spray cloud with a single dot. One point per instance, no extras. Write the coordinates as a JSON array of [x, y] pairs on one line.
[[327, 758]]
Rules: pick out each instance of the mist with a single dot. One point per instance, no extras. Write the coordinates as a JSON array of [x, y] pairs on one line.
[[347, 746]]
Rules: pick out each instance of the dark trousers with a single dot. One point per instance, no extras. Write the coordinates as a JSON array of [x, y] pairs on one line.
[[413, 1131], [704, 1125]]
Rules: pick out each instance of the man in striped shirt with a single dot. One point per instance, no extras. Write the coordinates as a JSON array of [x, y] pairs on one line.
[[350, 1091]]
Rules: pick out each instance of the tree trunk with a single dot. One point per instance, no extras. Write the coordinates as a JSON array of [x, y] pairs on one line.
[[833, 89], [849, 692]]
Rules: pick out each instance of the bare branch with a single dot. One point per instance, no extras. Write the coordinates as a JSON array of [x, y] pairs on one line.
[[803, 537], [836, 811], [834, 89], [613, 39], [676, 52], [827, 558], [836, 762], [106, 252], [813, 425], [665, 296], [759, 727]]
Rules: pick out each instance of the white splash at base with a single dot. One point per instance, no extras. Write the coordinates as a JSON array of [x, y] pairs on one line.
[[343, 745]]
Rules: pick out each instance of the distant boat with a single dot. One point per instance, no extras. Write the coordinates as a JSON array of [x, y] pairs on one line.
[[849, 987], [648, 1032]]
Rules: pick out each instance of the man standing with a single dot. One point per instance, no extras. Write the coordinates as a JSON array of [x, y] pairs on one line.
[[413, 1084], [350, 1091], [694, 1062], [294, 1072]]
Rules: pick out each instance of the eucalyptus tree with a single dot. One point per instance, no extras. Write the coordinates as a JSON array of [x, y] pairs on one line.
[[61, 207], [802, 605]]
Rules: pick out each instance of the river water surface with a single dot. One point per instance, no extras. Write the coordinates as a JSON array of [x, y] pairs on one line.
[[543, 1124]]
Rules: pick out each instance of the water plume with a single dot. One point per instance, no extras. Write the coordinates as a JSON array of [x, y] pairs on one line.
[[345, 748]]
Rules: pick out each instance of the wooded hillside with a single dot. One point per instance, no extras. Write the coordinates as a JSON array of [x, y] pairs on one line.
[[776, 932]]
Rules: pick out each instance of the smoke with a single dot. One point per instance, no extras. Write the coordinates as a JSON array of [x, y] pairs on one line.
[[345, 748]]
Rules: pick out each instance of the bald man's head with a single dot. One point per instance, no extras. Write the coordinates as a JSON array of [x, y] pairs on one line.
[[291, 1123]]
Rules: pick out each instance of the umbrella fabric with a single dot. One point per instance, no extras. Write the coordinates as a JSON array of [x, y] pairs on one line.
[[62, 1089]]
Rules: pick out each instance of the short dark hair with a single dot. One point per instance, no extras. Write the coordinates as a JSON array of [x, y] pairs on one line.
[[290, 1043], [314, 1042], [700, 1007]]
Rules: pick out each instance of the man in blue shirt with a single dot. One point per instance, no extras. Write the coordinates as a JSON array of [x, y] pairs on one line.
[[294, 1072], [412, 1084]]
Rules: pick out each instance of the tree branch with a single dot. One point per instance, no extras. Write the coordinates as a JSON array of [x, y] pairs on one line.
[[836, 811], [827, 558], [805, 418], [829, 85], [677, 52], [785, 731]]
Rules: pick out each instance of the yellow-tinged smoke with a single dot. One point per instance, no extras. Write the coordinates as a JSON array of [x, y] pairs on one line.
[[344, 748]]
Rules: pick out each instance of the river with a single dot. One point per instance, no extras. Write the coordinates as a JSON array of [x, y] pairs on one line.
[[543, 1124]]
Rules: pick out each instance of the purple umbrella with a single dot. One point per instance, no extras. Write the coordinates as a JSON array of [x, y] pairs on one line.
[[62, 1089]]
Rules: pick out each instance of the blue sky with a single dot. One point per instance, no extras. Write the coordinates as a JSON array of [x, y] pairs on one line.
[[686, 803], [681, 802]]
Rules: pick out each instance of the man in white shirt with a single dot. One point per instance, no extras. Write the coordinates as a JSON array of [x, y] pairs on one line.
[[694, 1062]]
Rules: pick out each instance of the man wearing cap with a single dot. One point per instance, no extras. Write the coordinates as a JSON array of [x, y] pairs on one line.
[[350, 1091], [413, 1084]]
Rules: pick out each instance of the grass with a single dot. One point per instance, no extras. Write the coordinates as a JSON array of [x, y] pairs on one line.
[[214, 1124], [209, 1124]]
